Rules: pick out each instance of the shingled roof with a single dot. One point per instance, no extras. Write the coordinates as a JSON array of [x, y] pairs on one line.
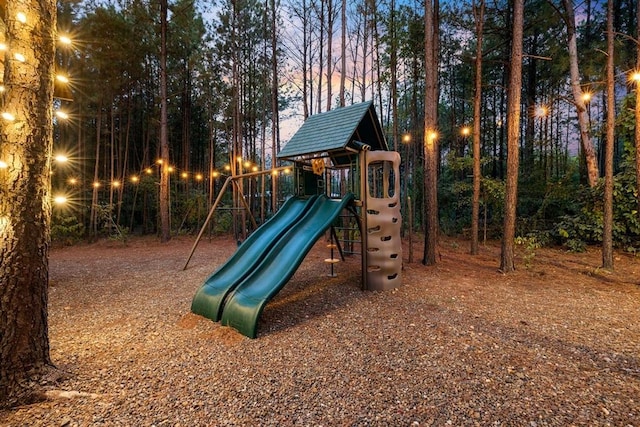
[[336, 133]]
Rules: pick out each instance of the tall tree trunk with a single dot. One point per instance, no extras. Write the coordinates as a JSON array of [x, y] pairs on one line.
[[305, 60], [430, 134], [478, 11], [343, 51], [583, 118], [393, 65], [329, 53], [275, 125], [321, 55], [507, 263], [95, 188], [365, 48], [25, 201], [637, 134], [532, 88], [607, 228], [165, 221]]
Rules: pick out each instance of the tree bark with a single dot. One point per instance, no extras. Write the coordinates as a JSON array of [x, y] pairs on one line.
[[393, 70], [607, 228], [25, 200], [275, 119], [430, 134], [507, 263], [165, 221], [477, 105], [330, 16], [637, 133], [583, 118], [343, 50]]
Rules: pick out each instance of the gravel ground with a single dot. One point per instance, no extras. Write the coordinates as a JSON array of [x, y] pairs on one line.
[[460, 344]]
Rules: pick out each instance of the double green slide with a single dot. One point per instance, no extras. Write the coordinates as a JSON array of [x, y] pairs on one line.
[[237, 291]]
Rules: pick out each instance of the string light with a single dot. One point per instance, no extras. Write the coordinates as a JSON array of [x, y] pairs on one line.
[[3, 164], [8, 116], [61, 158], [60, 200], [148, 171], [3, 47], [134, 179], [19, 57], [199, 177], [541, 111], [115, 184], [21, 17], [66, 40], [62, 115], [62, 78]]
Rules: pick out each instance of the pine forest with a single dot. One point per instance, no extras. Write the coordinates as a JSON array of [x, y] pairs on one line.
[[241, 76]]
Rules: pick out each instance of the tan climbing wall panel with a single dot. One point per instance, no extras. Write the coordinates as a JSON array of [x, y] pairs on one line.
[[383, 220]]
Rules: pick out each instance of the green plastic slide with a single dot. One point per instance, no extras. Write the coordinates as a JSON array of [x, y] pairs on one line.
[[245, 304], [209, 299]]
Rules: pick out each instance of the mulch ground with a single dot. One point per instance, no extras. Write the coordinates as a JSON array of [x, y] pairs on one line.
[[555, 343]]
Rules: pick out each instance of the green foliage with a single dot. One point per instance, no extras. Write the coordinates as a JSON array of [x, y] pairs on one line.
[[542, 202], [585, 227], [66, 229], [455, 196], [108, 226], [222, 222], [530, 244]]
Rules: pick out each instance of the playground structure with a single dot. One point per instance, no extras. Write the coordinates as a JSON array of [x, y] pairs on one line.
[[341, 163]]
